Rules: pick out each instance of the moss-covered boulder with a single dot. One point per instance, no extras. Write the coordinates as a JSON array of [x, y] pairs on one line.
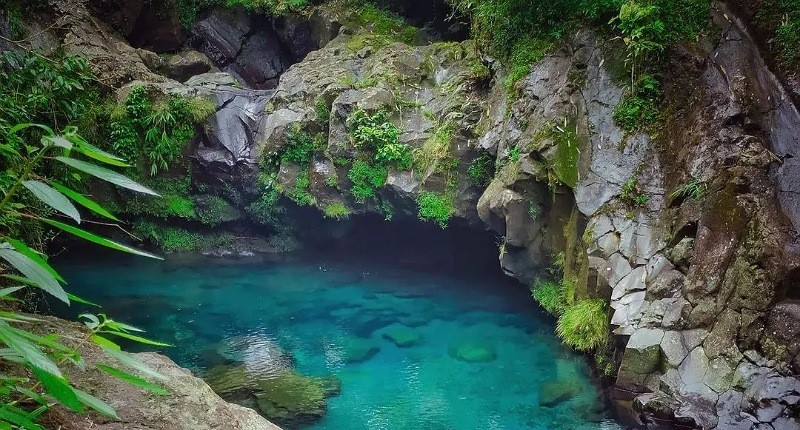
[[555, 392], [402, 336], [290, 398], [359, 349], [473, 353], [226, 380]]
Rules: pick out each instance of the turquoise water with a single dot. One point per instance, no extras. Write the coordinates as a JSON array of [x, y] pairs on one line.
[[312, 309]]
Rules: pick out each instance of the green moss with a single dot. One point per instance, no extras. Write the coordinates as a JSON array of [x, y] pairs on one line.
[[435, 207], [289, 396], [173, 239], [567, 153], [584, 325], [175, 201], [336, 211], [213, 210], [524, 54]]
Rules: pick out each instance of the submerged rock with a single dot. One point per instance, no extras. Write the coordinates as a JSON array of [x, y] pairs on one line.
[[403, 336], [553, 393], [473, 353], [359, 349], [291, 398]]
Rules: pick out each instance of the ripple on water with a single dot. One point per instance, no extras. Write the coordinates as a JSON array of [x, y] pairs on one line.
[[412, 351]]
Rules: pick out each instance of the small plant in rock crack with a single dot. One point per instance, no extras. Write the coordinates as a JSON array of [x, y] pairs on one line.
[[692, 189], [631, 194]]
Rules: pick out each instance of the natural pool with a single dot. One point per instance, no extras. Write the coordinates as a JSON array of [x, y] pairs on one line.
[[413, 349]]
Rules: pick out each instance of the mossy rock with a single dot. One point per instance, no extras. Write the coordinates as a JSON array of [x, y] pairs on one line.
[[403, 336], [289, 397], [473, 353], [553, 393], [359, 349], [226, 379]]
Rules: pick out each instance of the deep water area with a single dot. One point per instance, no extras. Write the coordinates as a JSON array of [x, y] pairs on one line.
[[451, 345]]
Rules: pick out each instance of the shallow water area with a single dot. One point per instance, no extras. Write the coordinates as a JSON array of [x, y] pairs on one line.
[[413, 349]]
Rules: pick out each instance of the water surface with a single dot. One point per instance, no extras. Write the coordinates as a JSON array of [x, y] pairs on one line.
[[314, 308]]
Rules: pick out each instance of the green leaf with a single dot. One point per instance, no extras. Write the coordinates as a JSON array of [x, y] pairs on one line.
[[135, 338], [35, 256], [33, 271], [27, 350], [96, 404], [116, 325], [104, 343], [133, 380], [18, 417], [78, 299], [59, 388], [60, 142], [20, 127], [132, 362], [10, 290], [97, 239], [17, 317], [106, 175], [83, 201], [52, 198], [98, 154]]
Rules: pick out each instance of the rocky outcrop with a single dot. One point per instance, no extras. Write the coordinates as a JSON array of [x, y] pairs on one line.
[[189, 405]]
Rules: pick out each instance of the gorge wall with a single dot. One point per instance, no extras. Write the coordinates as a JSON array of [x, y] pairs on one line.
[[688, 234]]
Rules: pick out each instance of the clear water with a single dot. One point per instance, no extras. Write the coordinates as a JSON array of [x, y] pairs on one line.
[[313, 308]]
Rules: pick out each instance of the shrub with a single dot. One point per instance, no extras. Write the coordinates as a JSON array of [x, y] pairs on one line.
[[372, 131], [394, 154], [323, 111], [481, 170], [366, 178], [584, 325], [435, 207], [550, 295], [639, 107], [300, 147], [336, 211], [154, 132], [301, 193]]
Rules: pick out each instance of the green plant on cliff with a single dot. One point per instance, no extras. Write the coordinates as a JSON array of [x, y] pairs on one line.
[[300, 147], [638, 108], [336, 211], [481, 170], [692, 189], [378, 140], [631, 194], [550, 295], [435, 207], [779, 20], [34, 378], [584, 325], [150, 133]]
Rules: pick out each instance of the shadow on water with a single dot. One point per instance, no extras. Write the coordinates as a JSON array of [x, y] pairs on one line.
[[418, 325]]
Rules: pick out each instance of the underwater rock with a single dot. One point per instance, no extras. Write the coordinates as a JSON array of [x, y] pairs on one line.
[[359, 349], [402, 336], [226, 380], [293, 398], [473, 353], [556, 392]]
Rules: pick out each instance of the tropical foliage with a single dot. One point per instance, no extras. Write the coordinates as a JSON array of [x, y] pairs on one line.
[[30, 196]]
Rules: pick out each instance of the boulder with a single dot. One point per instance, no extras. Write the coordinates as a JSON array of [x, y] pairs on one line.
[[553, 393], [402, 336], [359, 349], [185, 64], [643, 351], [291, 398], [473, 353]]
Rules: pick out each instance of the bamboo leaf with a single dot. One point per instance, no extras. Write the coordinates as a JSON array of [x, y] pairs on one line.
[[33, 271], [132, 362], [27, 350], [52, 198], [97, 239], [106, 175], [96, 404], [83, 201], [98, 154], [104, 343], [135, 338], [35, 256], [18, 417], [78, 299], [10, 290], [131, 379], [59, 388]]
